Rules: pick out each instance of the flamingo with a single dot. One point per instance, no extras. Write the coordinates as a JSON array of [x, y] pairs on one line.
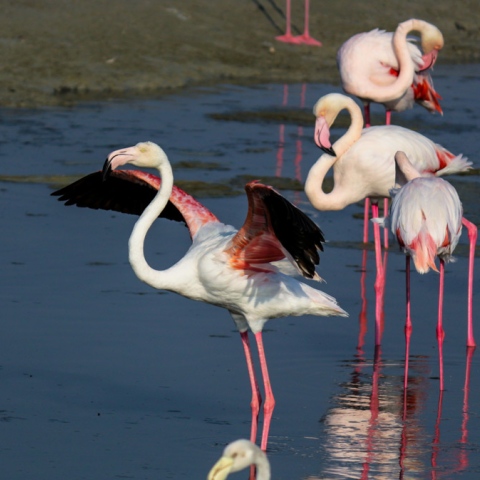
[[387, 68], [237, 456], [305, 37], [364, 166], [247, 271], [426, 218]]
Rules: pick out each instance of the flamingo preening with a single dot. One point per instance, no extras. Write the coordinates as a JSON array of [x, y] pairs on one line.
[[305, 37], [426, 218], [363, 162], [248, 271], [388, 68], [237, 456]]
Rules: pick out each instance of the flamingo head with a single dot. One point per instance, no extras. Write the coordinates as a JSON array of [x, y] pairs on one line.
[[326, 110], [143, 154], [237, 456], [432, 39]]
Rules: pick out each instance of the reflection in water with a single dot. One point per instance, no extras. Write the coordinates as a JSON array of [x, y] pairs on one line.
[[366, 422], [298, 142], [373, 429]]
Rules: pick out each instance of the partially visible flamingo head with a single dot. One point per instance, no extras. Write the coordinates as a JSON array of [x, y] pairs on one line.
[[143, 154], [237, 456], [326, 110], [432, 43]]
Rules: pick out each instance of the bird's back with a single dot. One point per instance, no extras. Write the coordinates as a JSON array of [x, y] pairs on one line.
[[426, 217], [369, 164]]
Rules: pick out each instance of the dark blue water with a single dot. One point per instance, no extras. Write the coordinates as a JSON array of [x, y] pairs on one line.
[[103, 377]]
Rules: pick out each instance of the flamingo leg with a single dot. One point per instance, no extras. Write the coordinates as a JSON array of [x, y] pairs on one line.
[[362, 318], [385, 230], [472, 237], [366, 220], [288, 37], [380, 279], [269, 404], [256, 396], [440, 331], [408, 322], [388, 116], [366, 113], [305, 37]]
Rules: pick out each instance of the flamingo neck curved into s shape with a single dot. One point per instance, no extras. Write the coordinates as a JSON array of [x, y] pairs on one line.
[[337, 199], [155, 278], [405, 63]]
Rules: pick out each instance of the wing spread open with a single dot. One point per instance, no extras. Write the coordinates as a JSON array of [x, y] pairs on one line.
[[275, 229], [121, 191]]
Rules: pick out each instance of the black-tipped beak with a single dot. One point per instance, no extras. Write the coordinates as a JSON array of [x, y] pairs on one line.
[[329, 150], [107, 168]]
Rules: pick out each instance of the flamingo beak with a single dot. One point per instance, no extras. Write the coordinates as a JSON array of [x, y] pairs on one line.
[[329, 150], [322, 136], [117, 159], [429, 60], [107, 169], [221, 469]]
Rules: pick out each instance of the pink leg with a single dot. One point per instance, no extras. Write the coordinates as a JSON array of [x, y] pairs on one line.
[[256, 397], [385, 230], [305, 37], [472, 237], [366, 112], [288, 37], [362, 318], [440, 331], [388, 117], [408, 323], [380, 279], [366, 221], [269, 404]]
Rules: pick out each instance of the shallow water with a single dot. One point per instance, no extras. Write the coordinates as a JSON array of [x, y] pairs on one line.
[[103, 377]]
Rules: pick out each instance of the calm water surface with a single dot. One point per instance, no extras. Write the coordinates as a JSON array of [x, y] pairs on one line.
[[102, 377]]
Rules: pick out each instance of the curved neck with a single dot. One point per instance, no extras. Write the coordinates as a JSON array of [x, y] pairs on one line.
[[354, 131], [336, 199], [406, 65], [263, 468], [155, 278]]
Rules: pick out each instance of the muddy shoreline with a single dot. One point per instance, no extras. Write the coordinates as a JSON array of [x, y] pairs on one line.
[[57, 52]]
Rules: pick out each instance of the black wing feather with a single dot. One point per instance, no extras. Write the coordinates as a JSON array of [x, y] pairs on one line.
[[297, 233], [119, 191]]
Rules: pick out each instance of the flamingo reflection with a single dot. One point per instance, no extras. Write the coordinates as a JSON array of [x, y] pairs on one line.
[[379, 424], [280, 157]]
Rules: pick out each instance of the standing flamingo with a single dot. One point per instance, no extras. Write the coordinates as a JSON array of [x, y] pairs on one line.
[[237, 456], [426, 218], [364, 165], [247, 271], [305, 37], [387, 68]]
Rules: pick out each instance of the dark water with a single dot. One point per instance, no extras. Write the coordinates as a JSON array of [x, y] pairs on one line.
[[103, 377]]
